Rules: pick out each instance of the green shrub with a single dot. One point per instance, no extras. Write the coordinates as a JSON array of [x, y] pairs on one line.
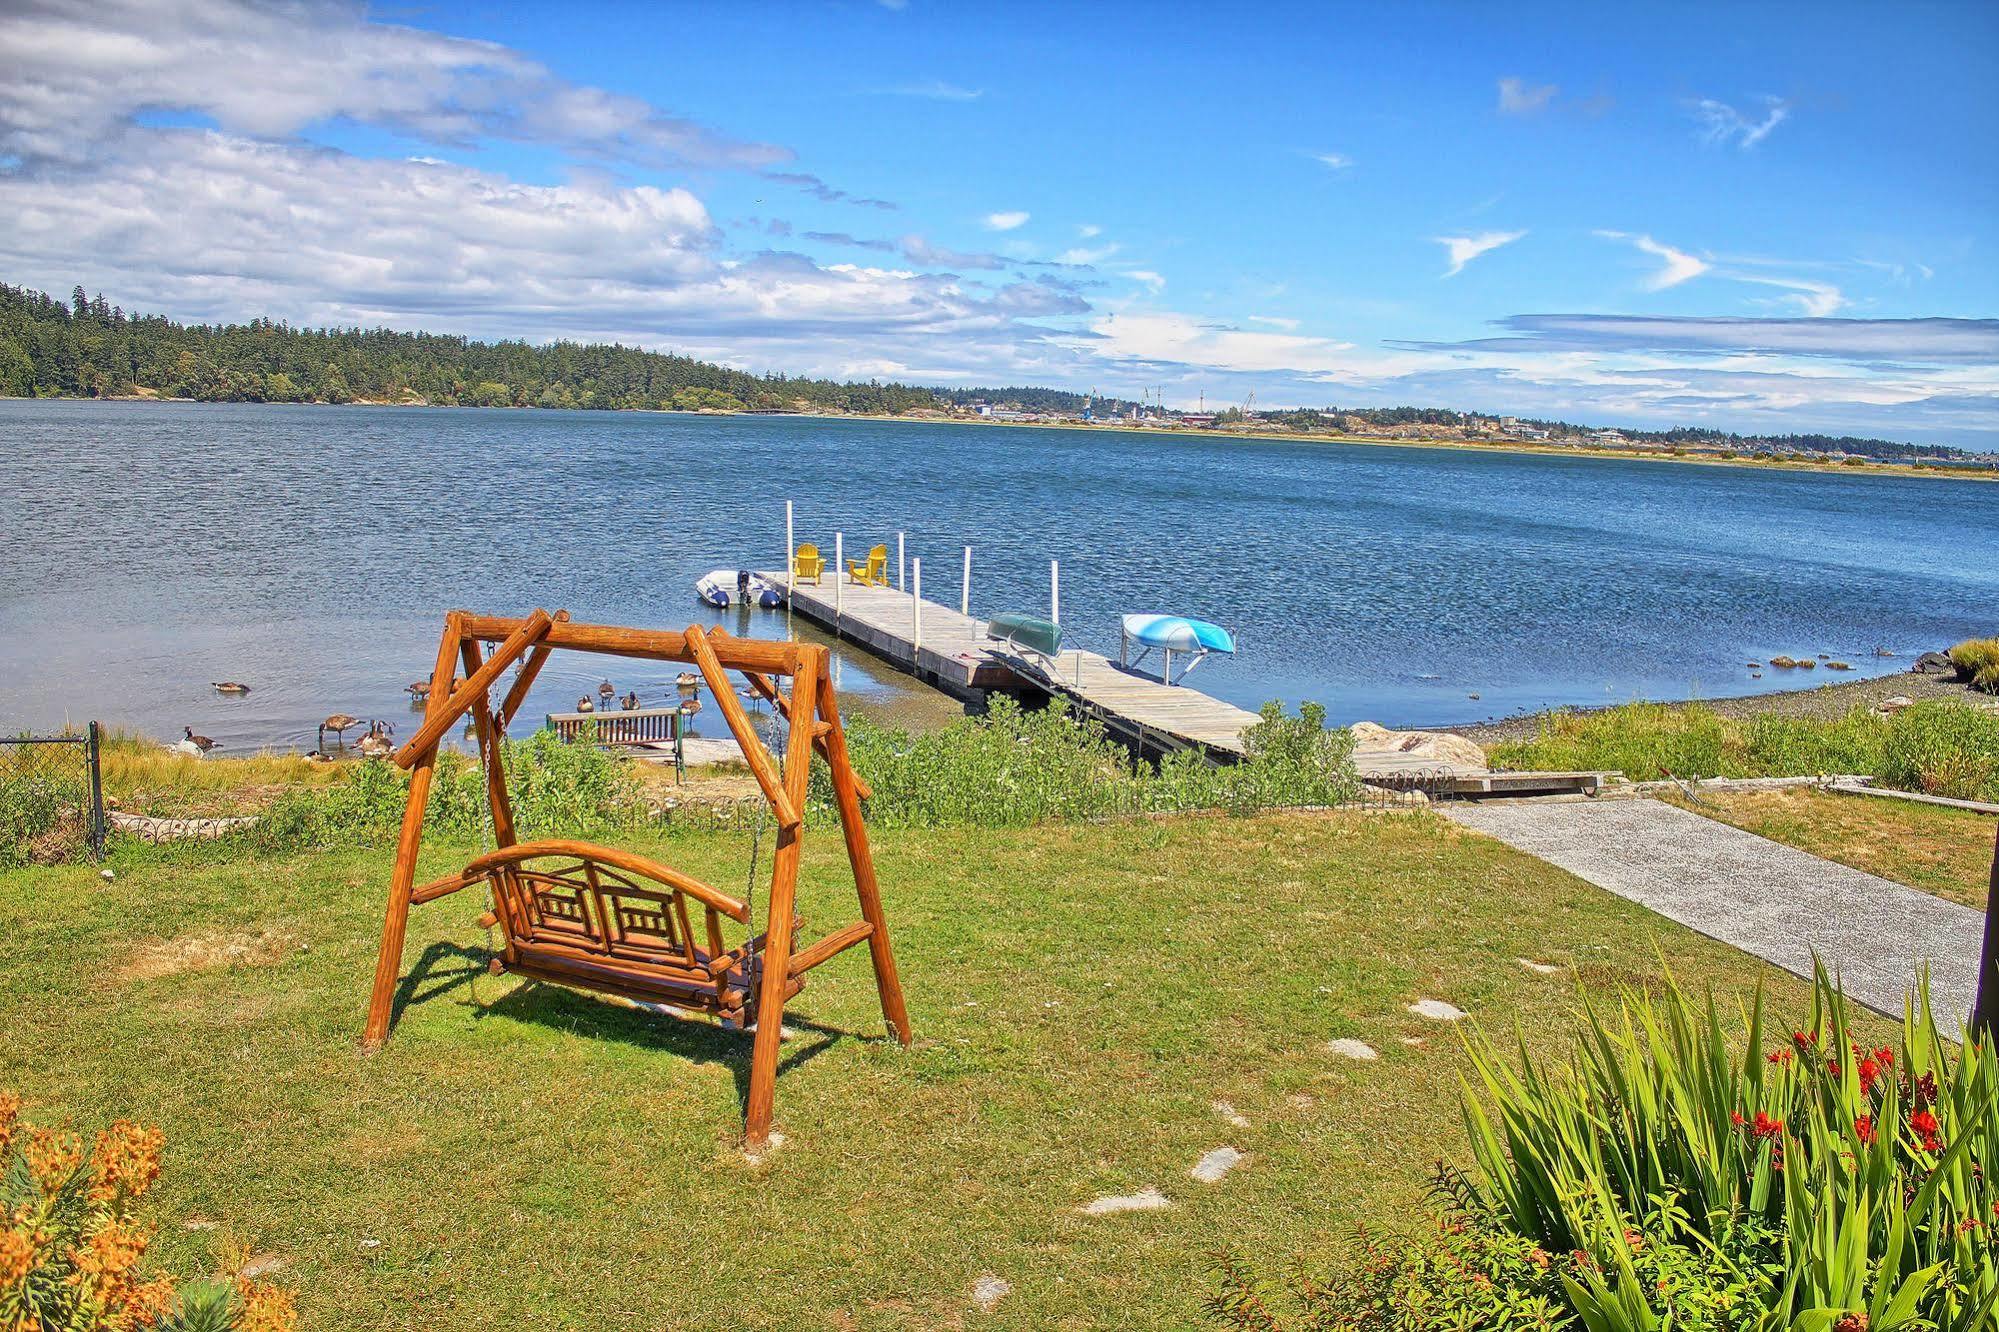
[[1829, 1178], [1689, 1173], [1945, 749], [556, 786], [1800, 746], [1014, 766], [1645, 741], [1977, 660]]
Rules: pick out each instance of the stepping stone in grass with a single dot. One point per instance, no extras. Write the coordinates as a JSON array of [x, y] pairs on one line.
[[1538, 968], [1299, 1101], [1235, 1117], [1437, 1010], [757, 1155], [1352, 1048], [1416, 1042], [1147, 1199], [989, 1290], [1216, 1163]]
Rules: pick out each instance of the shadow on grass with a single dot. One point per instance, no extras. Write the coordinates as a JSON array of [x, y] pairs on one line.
[[444, 968]]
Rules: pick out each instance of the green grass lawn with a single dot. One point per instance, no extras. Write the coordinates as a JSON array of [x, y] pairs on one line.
[[1082, 994], [1938, 849]]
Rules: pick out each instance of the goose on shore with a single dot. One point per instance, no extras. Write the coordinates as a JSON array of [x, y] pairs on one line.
[[630, 702], [339, 723], [607, 690], [376, 743], [229, 687], [200, 742], [584, 704]]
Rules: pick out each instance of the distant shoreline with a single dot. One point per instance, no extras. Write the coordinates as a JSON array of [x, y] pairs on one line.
[[1515, 447]]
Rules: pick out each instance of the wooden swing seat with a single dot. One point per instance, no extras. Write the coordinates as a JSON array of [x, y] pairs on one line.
[[615, 922]]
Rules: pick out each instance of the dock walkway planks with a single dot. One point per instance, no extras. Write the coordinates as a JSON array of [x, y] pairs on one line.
[[954, 654]]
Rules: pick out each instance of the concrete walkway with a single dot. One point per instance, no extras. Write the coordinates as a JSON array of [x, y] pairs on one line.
[[1769, 900]]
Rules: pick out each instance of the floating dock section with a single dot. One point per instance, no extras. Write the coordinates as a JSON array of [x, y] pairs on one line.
[[950, 650]]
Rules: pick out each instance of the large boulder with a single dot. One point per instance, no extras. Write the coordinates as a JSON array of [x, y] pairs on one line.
[[1440, 747], [1934, 663]]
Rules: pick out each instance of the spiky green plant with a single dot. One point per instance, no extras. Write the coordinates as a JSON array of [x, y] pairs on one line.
[[1831, 1180]]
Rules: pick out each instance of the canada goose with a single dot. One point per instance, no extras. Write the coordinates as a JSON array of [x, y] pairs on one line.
[[584, 704], [690, 706], [339, 723], [630, 702], [230, 687], [687, 680], [318, 756], [607, 690], [200, 742], [376, 743], [418, 689]]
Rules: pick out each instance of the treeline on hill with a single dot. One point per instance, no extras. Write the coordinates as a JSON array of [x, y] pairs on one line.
[[88, 348]]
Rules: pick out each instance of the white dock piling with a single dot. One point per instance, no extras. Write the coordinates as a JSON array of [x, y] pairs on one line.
[[916, 609], [790, 560], [899, 563], [1055, 591], [965, 591]]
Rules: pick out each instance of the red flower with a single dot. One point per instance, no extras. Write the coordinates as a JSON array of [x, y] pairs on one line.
[[1766, 1127], [1802, 1039], [1780, 1055], [1832, 1067], [1885, 1057], [1869, 1071], [1735, 1118], [1923, 1122], [1864, 1127]]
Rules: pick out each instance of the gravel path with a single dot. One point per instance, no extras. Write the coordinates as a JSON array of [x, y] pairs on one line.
[[1772, 901], [1826, 702]]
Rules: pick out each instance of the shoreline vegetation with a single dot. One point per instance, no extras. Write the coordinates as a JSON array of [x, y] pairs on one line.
[[88, 348]]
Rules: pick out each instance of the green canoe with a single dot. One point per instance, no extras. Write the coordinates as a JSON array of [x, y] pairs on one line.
[[1026, 631]]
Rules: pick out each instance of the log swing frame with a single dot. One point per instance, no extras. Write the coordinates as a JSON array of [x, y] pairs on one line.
[[612, 920]]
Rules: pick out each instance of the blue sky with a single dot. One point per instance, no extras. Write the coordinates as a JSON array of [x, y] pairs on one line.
[[1766, 217]]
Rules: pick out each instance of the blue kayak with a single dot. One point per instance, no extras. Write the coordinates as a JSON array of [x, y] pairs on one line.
[[1177, 633]]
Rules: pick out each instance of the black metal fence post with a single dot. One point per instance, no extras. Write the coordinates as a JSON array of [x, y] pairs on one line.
[[96, 792]]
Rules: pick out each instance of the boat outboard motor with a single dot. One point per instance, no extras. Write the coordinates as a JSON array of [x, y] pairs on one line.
[[743, 588]]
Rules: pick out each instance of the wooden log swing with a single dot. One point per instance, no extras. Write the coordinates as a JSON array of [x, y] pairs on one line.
[[609, 920]]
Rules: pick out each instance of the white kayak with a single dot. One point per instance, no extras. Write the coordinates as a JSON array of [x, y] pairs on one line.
[[721, 588], [1196, 639], [1177, 633]]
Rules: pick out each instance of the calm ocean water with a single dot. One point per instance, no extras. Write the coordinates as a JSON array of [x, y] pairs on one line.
[[152, 548]]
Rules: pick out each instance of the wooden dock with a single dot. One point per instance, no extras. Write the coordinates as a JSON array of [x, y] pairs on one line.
[[951, 651]]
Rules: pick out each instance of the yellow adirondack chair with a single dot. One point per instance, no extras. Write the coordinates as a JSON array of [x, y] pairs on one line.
[[807, 564], [873, 572]]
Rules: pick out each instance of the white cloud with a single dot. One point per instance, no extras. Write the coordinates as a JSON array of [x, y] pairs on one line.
[[937, 90], [80, 70], [1680, 266], [1275, 321], [1519, 98], [1337, 161], [1006, 221], [1089, 230], [1082, 256], [1722, 123], [1811, 297], [1463, 249], [1148, 277]]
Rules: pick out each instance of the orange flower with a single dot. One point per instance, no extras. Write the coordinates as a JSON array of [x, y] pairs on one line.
[[10, 1113], [143, 1306], [266, 1308], [125, 1161], [52, 1157], [17, 1257]]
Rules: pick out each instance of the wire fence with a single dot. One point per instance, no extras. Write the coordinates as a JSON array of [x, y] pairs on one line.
[[51, 797]]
